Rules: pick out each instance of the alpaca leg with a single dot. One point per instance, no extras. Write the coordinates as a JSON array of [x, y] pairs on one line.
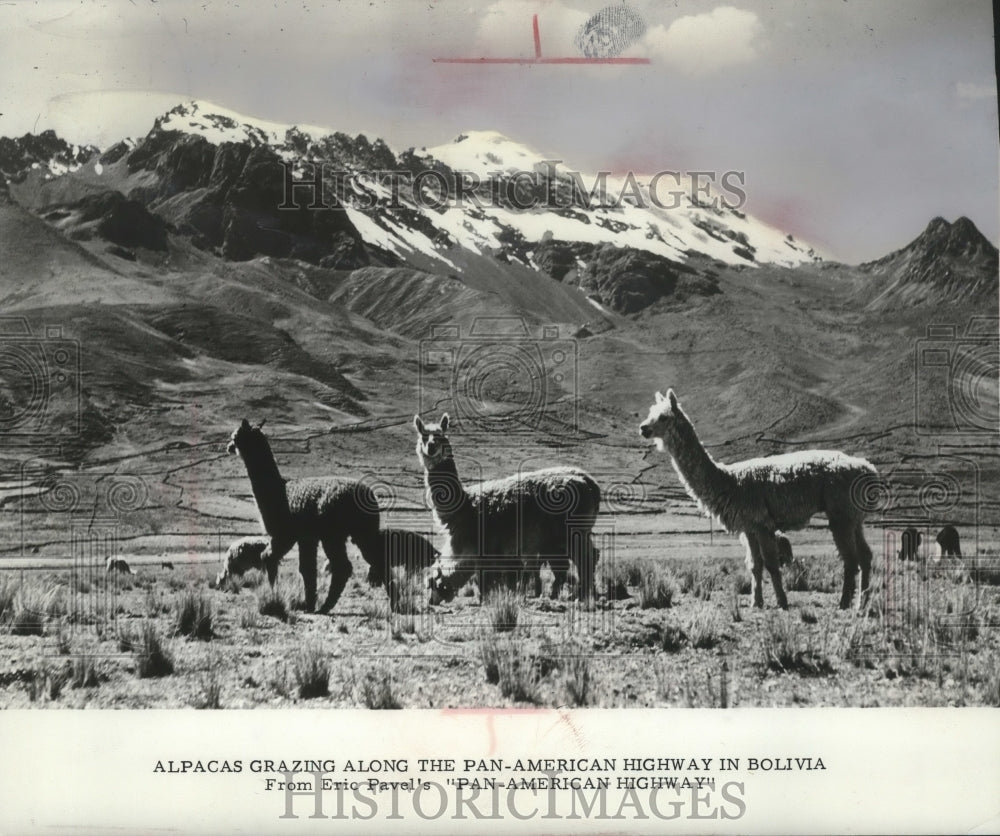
[[374, 548], [307, 568], [340, 570], [272, 554], [844, 537], [584, 556], [864, 558], [772, 561], [755, 562], [560, 571]]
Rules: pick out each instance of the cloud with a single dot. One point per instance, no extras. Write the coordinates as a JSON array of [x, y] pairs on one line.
[[970, 90], [701, 44]]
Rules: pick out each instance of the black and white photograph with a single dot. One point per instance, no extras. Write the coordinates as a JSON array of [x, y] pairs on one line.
[[576, 364]]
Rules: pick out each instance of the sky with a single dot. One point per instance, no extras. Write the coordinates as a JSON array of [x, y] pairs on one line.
[[854, 121]]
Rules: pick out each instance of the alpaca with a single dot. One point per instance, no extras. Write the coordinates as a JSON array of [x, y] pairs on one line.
[[947, 539], [310, 511], [166, 564], [910, 544], [242, 556], [759, 496], [406, 553], [116, 564], [500, 528]]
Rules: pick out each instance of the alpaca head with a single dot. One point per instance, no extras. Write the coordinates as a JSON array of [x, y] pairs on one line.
[[247, 439], [663, 420], [433, 446], [442, 587]]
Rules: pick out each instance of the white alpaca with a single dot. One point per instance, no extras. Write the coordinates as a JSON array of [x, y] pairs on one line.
[[759, 496], [242, 555], [500, 528]]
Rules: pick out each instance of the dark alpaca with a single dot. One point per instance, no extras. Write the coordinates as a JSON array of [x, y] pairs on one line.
[[405, 552], [505, 528], [948, 541], [910, 544], [310, 511], [166, 564]]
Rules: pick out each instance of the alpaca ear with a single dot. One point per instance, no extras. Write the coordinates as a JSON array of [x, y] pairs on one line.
[[418, 425], [672, 398], [245, 424], [260, 426], [444, 423], [660, 398]]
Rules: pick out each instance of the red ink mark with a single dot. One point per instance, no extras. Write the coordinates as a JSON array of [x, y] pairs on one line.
[[538, 59], [490, 714]]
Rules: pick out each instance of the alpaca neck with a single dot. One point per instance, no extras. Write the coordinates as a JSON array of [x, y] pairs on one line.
[[447, 494], [705, 479], [268, 490]]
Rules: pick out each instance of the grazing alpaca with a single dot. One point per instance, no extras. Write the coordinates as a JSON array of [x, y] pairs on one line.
[[242, 556], [948, 541], [323, 510], [116, 564], [408, 552], [166, 564], [759, 496], [498, 529], [910, 544]]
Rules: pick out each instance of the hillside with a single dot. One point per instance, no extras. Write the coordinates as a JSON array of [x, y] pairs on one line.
[[194, 300]]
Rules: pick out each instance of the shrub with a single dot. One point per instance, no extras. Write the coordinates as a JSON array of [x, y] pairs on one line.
[[274, 602], [84, 672], [786, 648], [503, 605], [34, 605], [579, 679], [211, 686], [153, 655], [376, 691], [194, 615], [512, 667], [657, 586], [703, 628], [311, 669], [672, 638]]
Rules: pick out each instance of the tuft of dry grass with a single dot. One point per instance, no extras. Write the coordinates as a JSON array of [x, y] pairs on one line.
[[578, 677], [311, 669], [503, 606], [34, 605], [510, 665], [376, 690], [657, 586], [193, 616], [273, 601], [152, 653], [84, 672], [786, 648], [704, 629]]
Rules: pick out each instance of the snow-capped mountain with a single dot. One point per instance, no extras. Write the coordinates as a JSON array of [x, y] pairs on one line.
[[488, 217]]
